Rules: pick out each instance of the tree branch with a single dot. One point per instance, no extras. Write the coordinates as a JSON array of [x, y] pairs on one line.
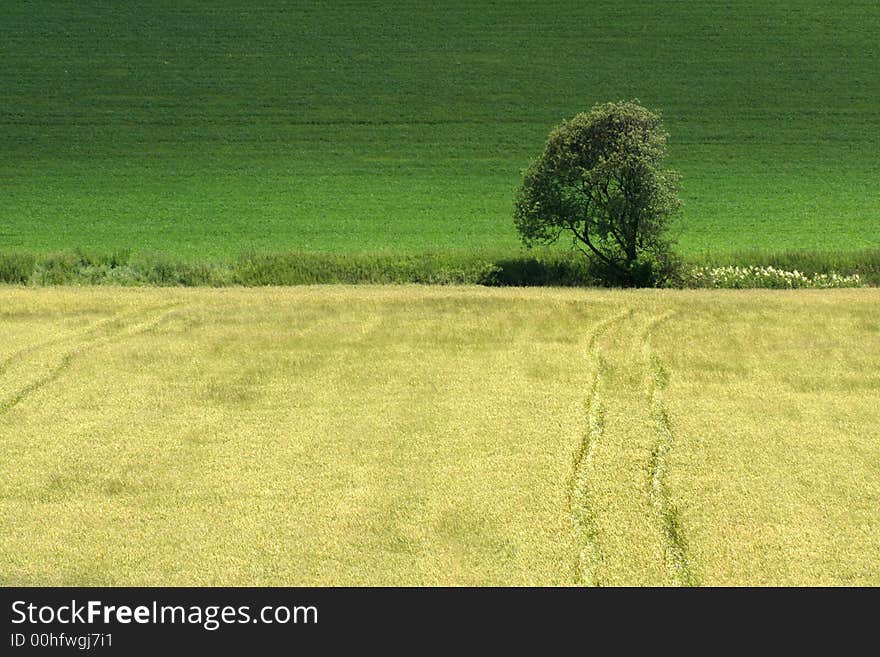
[[585, 238]]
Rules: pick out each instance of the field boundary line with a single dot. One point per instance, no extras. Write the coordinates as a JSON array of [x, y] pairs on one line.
[[581, 506], [84, 347], [678, 562]]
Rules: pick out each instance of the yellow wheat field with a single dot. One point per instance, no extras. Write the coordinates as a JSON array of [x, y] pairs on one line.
[[417, 435]]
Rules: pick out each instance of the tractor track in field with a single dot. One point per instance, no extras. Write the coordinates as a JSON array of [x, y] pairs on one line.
[[84, 346], [581, 506], [82, 333], [678, 562]]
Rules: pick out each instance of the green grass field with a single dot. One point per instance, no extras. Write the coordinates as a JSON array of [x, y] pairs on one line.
[[201, 130], [419, 435]]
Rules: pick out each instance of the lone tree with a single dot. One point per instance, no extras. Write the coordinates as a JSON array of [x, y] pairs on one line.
[[599, 179]]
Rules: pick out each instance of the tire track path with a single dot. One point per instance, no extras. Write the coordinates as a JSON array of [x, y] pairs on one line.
[[581, 504], [678, 562], [83, 347], [93, 328]]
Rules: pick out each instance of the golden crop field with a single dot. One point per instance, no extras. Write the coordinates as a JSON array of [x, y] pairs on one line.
[[423, 435]]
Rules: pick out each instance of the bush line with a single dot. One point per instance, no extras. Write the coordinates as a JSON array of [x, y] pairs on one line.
[[513, 268]]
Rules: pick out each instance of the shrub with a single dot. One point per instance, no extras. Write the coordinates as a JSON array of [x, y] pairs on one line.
[[16, 267]]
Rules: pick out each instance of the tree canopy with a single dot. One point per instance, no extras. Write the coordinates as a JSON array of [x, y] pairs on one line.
[[600, 181]]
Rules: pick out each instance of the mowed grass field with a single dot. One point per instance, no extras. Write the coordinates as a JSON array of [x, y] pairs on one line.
[[418, 435], [201, 130]]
